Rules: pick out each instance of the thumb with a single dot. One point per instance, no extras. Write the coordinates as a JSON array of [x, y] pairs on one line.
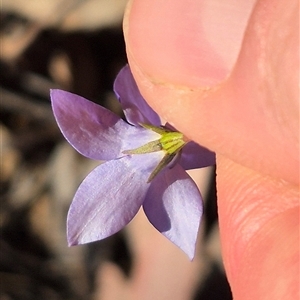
[[219, 83]]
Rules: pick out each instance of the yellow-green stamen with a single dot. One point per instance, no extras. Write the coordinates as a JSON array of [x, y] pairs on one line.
[[171, 142]]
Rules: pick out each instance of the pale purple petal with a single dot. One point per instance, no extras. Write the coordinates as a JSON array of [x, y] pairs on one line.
[[194, 156], [109, 198], [136, 109], [92, 130], [173, 205]]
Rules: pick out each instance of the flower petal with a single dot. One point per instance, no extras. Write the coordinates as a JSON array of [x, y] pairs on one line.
[[109, 198], [173, 205], [136, 109], [194, 156], [91, 129]]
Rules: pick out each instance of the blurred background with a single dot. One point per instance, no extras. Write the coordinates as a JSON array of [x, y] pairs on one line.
[[77, 45]]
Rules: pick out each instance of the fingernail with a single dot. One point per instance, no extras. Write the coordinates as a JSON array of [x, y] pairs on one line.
[[194, 43]]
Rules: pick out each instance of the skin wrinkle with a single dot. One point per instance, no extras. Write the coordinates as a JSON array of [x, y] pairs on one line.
[[273, 61], [262, 207], [282, 116], [287, 239]]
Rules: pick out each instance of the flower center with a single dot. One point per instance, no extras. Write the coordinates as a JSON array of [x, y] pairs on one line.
[[171, 142]]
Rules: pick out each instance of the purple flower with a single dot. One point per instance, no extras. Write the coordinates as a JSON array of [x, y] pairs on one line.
[[144, 165]]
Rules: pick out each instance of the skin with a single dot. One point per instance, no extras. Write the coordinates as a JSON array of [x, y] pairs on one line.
[[233, 90]]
